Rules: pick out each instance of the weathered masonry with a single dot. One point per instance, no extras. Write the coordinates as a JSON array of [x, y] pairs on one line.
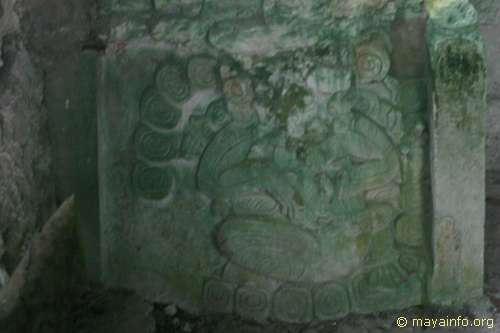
[[291, 160]]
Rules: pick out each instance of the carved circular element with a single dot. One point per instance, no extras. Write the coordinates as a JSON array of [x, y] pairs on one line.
[[154, 146], [331, 301], [158, 112], [151, 183], [372, 63], [202, 71], [292, 304], [251, 302], [171, 79], [217, 113], [218, 296]]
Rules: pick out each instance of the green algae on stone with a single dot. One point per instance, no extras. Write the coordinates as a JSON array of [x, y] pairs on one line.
[[264, 158], [457, 151]]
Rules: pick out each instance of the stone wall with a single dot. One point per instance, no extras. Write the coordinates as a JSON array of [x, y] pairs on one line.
[[61, 37], [40, 48], [25, 185], [489, 12]]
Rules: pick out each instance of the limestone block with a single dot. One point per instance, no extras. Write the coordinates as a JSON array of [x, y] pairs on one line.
[[271, 159], [457, 151]]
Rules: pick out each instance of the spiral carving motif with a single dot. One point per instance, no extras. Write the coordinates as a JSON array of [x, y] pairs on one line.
[[172, 80], [151, 183], [154, 146], [217, 113], [373, 63], [158, 112], [251, 302]]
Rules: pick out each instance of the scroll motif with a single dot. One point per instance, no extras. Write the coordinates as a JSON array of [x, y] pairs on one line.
[[373, 61], [152, 183], [155, 146], [156, 111], [172, 80]]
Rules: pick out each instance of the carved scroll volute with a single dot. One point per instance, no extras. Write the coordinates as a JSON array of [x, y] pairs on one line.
[[373, 58], [457, 149]]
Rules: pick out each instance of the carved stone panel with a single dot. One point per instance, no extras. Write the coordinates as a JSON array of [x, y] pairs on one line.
[[283, 183]]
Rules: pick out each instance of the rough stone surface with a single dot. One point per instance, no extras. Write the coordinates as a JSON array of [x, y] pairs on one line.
[[40, 48], [61, 37], [99, 310], [489, 15], [36, 297], [26, 195]]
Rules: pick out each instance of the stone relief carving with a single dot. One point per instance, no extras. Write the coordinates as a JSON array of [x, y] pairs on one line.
[[282, 180], [302, 188]]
